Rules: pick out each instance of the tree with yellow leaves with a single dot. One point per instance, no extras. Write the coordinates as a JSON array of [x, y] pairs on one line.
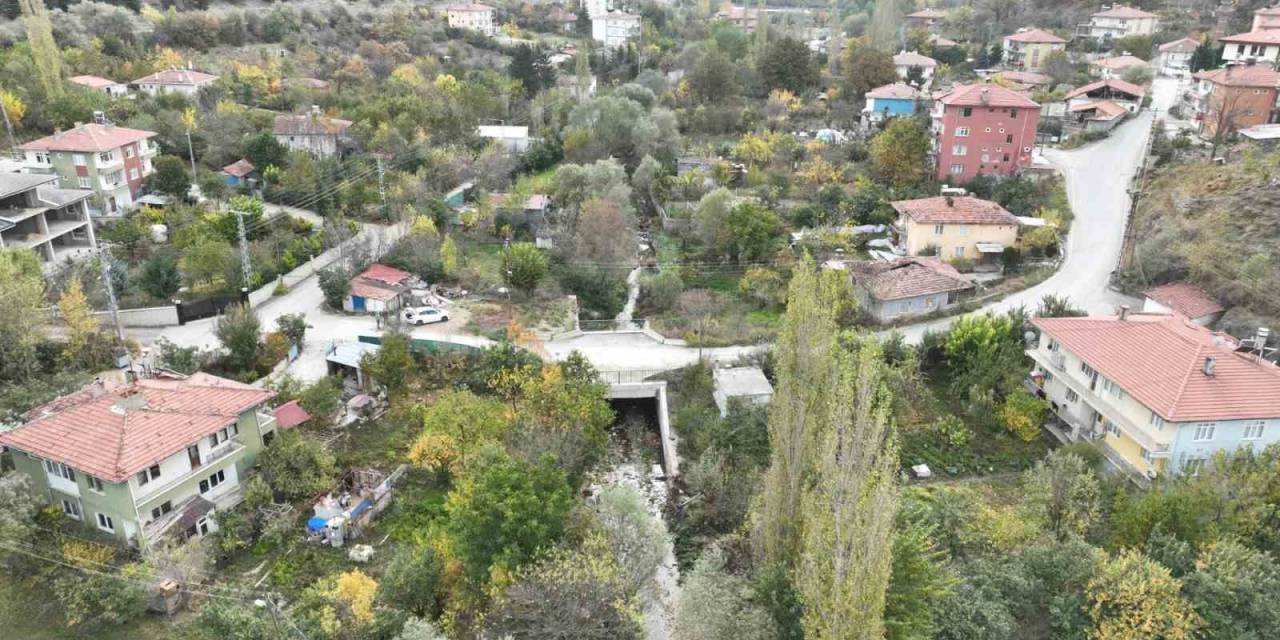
[[44, 50], [1133, 596], [448, 256], [454, 427], [78, 316], [356, 590], [754, 149]]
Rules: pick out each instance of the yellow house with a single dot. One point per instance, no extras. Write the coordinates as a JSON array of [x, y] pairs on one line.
[[952, 227], [1028, 48]]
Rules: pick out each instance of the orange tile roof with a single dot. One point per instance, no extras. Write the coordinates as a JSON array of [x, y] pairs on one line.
[[1110, 83], [1185, 298], [1159, 360], [309, 124], [183, 77], [1035, 36], [93, 82], [372, 290], [913, 59], [240, 168], [118, 432], [1266, 36], [897, 90], [1184, 45], [90, 137], [985, 95], [908, 278], [1025, 77], [291, 414], [1103, 109], [382, 273], [954, 210], [1119, 63], [1241, 76], [1121, 11]]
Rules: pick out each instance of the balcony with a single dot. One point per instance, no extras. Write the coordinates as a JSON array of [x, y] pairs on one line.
[[62, 485], [221, 451], [116, 161], [266, 423], [208, 464]]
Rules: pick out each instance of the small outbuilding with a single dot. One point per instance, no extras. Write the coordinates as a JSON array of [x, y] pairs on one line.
[[1185, 299], [745, 383], [379, 289]]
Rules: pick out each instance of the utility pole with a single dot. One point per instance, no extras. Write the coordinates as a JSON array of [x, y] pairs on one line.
[[382, 188], [191, 154], [105, 261], [8, 126], [244, 250]]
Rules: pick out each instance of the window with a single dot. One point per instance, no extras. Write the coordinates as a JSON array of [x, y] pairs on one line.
[[1013, 113], [105, 157], [937, 229], [1111, 427], [959, 252], [1006, 157], [148, 475], [962, 132], [222, 435], [1008, 139], [986, 157], [1204, 431], [1072, 396], [964, 230], [85, 183], [966, 112], [1054, 345], [128, 151], [1112, 388], [133, 173], [957, 169], [1193, 466], [162, 509], [60, 470], [94, 484], [959, 150], [105, 523], [71, 508], [78, 159], [1253, 430], [1146, 455], [1157, 421], [1089, 371], [212, 481]]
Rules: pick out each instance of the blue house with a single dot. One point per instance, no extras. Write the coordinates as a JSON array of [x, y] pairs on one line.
[[892, 100], [238, 172]]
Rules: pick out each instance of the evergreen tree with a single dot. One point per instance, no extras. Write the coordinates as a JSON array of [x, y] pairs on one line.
[[44, 51]]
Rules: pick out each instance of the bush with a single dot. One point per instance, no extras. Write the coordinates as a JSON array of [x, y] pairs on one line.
[[1023, 415], [763, 287], [335, 284], [660, 291], [600, 292], [954, 431]]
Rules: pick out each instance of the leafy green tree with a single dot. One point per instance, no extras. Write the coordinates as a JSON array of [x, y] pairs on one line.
[[160, 277], [228, 619], [81, 324], [335, 284], [900, 153], [865, 68], [238, 330], [293, 326], [917, 584], [392, 364], [263, 150], [1023, 414], [1235, 590], [788, 64], [322, 399], [1063, 492], [718, 605], [206, 261], [974, 611], [985, 352], [18, 507], [297, 467], [559, 417], [411, 580], [754, 231], [170, 177], [1205, 56], [1052, 306], [456, 426], [506, 511], [524, 266], [635, 536], [1244, 491], [1182, 510], [21, 328], [530, 67], [713, 77], [1134, 597], [44, 49]]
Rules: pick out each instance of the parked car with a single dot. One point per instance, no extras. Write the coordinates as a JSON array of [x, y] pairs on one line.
[[423, 315]]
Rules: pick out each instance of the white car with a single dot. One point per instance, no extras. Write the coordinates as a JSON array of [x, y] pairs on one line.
[[423, 315]]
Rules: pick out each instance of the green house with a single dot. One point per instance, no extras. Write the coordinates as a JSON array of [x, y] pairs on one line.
[[149, 460]]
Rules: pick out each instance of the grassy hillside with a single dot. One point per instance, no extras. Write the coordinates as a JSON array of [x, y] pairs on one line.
[[1216, 226]]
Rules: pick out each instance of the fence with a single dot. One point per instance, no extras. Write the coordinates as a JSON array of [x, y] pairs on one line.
[[628, 376], [206, 308]]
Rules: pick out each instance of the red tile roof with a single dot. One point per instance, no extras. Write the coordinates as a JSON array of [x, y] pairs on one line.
[[1119, 63], [1185, 45], [1268, 11], [1266, 36], [1241, 76], [116, 433], [913, 59], [93, 82], [898, 91], [1103, 109], [372, 290], [1115, 84], [291, 414], [954, 210], [90, 137], [1120, 11], [985, 95], [309, 124], [1035, 36], [383, 273], [908, 278], [1025, 77], [1159, 360], [927, 13], [240, 168], [1185, 298], [184, 77]]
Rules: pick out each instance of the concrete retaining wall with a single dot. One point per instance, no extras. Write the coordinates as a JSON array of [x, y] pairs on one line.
[[146, 317]]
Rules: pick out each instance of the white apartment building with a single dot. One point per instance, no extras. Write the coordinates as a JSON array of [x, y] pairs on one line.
[[615, 30], [471, 17]]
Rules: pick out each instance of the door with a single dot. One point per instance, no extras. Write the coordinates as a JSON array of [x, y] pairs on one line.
[[193, 454], [357, 303]]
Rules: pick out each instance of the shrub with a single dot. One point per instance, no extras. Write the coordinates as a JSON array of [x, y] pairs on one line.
[[763, 287], [954, 431], [1023, 415], [660, 291]]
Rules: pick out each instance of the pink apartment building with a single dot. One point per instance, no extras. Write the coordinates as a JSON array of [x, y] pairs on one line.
[[983, 129]]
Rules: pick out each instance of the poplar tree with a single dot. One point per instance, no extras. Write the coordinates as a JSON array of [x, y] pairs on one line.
[[805, 369], [883, 30], [44, 50], [762, 29], [846, 561]]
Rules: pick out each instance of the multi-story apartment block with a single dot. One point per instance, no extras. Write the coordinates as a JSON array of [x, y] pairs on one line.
[[926, 19], [145, 461], [1174, 58], [983, 129], [109, 160], [1028, 48], [184, 81], [1158, 393], [1260, 44], [1234, 98], [744, 18], [35, 214], [615, 30], [313, 133], [471, 17], [1118, 22], [955, 227]]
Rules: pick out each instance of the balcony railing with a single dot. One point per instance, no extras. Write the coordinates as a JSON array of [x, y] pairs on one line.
[[220, 453]]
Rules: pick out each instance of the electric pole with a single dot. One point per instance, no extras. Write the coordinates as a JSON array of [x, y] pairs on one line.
[[104, 259], [8, 126], [244, 250], [382, 188]]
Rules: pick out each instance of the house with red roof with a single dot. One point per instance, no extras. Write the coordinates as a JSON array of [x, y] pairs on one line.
[[1174, 58], [184, 81], [1185, 299], [378, 289], [1233, 98], [955, 227], [151, 460], [105, 85], [109, 160], [313, 133], [1158, 393], [1028, 48], [908, 286], [925, 19], [1119, 21], [1115, 66], [983, 129]]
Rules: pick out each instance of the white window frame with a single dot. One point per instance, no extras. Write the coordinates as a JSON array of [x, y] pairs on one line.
[[85, 182], [95, 485], [147, 475], [1112, 388], [938, 229], [1253, 430], [128, 151], [133, 173], [1193, 466], [1157, 421], [962, 132], [78, 159], [71, 509], [959, 150], [957, 169], [958, 252], [106, 523], [1204, 431], [1112, 428], [1072, 396]]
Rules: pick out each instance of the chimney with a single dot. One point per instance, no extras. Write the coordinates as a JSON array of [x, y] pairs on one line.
[[315, 109], [1210, 363], [1124, 312], [950, 202], [986, 95], [99, 117]]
